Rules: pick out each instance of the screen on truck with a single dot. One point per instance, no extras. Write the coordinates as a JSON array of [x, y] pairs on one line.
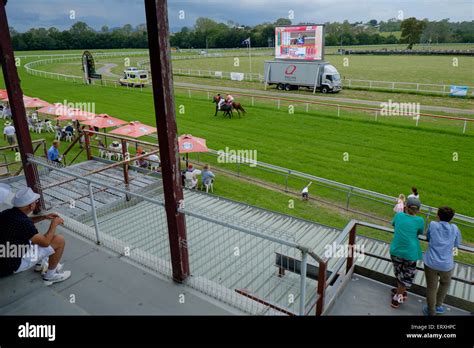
[[303, 42]]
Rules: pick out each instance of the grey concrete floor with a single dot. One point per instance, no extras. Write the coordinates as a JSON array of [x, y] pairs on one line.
[[104, 284], [364, 296]]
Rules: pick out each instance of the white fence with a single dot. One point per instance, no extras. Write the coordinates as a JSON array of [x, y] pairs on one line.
[[399, 86]]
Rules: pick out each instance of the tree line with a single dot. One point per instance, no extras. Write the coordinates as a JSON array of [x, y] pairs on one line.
[[211, 34]]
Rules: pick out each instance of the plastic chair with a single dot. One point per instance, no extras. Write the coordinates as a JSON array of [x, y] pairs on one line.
[[50, 127], [68, 136], [58, 135], [39, 127], [208, 185], [188, 183], [102, 153]]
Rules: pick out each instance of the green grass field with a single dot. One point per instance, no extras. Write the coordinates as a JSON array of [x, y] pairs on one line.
[[387, 156], [418, 69], [73, 68]]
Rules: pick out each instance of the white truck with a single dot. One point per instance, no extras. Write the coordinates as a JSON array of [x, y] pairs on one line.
[[290, 75]]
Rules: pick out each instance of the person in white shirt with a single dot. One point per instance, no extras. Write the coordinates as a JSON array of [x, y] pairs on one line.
[[154, 160], [305, 192], [9, 133], [191, 177], [414, 193], [221, 102]]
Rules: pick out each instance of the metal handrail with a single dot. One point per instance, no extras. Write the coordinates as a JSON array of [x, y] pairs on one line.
[[336, 184]]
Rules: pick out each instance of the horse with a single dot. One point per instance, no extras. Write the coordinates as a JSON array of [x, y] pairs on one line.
[[226, 108]]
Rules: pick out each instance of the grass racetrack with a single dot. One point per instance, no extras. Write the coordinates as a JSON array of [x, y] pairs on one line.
[[384, 156]]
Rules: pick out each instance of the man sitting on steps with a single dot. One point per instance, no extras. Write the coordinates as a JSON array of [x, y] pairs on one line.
[[24, 246]]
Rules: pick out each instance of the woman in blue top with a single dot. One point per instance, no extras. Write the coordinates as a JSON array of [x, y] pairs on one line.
[[442, 237]]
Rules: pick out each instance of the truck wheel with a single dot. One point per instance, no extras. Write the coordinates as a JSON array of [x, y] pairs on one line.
[[288, 88], [280, 86], [324, 90]]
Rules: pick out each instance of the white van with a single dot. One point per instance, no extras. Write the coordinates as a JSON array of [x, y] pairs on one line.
[[134, 78]]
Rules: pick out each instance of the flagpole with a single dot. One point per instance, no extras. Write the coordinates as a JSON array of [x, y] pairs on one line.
[[250, 59]]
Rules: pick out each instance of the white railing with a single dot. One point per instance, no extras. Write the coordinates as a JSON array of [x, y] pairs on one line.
[[399, 86]]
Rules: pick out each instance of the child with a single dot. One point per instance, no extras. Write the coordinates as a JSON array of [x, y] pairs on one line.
[[305, 192], [400, 204]]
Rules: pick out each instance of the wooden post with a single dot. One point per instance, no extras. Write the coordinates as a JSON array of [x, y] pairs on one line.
[[352, 240], [321, 287], [162, 81], [15, 99], [87, 144], [126, 179]]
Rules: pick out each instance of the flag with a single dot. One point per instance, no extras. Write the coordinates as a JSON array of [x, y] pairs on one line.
[[246, 41]]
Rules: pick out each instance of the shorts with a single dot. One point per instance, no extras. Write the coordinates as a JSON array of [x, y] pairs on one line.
[[305, 194], [34, 255], [11, 139], [404, 270]]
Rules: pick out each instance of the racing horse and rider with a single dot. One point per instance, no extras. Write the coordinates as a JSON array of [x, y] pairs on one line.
[[227, 105]]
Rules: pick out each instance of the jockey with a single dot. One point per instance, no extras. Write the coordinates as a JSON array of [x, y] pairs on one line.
[[221, 102], [229, 99]]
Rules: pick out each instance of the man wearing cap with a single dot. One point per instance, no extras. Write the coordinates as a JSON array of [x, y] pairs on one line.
[[9, 133], [19, 233], [405, 248]]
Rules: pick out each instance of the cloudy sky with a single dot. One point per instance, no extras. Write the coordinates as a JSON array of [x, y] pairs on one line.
[[24, 14]]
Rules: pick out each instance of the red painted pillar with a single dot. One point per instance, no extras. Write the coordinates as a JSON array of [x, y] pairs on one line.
[[162, 80], [15, 97]]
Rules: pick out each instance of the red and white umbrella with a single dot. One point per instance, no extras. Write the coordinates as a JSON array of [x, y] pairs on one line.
[[55, 110], [134, 129], [25, 97], [104, 121], [33, 103], [76, 115], [3, 94], [187, 144]]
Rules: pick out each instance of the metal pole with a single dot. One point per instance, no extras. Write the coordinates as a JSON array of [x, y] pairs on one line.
[[126, 179], [15, 99], [250, 57], [348, 198], [94, 213], [304, 261], [162, 82]]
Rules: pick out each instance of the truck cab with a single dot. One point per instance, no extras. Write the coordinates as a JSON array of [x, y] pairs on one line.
[[292, 75], [330, 80], [134, 77]]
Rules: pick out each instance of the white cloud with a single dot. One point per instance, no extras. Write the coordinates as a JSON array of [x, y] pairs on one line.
[[24, 14]]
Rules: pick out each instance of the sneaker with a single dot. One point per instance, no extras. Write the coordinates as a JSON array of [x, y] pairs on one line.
[[56, 277], [439, 310], [397, 300], [405, 294], [43, 267]]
